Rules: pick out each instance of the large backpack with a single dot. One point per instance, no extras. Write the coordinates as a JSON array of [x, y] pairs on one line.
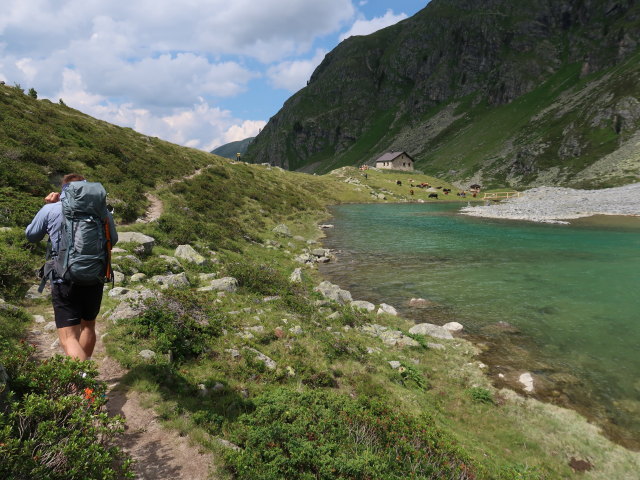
[[84, 252]]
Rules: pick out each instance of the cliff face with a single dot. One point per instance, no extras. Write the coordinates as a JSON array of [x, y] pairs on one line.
[[497, 91]]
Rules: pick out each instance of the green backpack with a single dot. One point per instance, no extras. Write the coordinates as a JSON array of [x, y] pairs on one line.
[[84, 253]]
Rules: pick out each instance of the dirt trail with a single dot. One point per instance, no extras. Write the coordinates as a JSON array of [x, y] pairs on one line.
[[159, 453], [156, 207]]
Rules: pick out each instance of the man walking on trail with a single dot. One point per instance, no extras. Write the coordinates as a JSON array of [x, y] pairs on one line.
[[76, 304]]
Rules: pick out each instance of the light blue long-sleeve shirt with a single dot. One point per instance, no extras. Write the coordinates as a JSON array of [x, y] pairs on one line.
[[49, 221]]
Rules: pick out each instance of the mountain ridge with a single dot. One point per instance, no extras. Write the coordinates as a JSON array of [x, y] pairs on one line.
[[430, 82]]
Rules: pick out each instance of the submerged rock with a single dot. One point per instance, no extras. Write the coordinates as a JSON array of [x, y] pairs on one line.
[[527, 382]]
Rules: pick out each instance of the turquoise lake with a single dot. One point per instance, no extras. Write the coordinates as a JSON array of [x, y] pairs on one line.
[[570, 295]]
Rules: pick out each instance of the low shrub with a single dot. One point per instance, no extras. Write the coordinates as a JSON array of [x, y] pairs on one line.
[[180, 323], [18, 265], [52, 422], [320, 434], [481, 395]]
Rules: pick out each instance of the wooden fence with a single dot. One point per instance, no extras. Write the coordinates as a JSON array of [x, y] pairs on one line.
[[499, 195]]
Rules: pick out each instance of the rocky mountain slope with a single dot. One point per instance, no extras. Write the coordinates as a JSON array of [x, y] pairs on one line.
[[496, 92]]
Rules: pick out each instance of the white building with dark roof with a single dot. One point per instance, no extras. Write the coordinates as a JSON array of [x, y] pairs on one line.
[[395, 161]]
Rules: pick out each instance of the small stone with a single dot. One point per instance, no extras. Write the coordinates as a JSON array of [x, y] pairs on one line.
[[137, 277], [435, 346], [395, 364], [235, 354], [39, 319], [297, 330], [218, 387], [334, 316], [50, 327], [147, 354], [55, 344], [296, 276], [282, 230], [118, 277], [228, 444], [202, 390], [269, 363]]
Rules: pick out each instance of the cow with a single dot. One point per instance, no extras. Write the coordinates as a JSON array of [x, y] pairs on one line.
[[433, 195]]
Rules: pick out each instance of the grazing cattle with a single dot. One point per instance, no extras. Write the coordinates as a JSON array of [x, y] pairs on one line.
[[433, 195]]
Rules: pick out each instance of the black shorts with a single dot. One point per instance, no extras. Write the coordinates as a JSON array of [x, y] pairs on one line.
[[72, 303]]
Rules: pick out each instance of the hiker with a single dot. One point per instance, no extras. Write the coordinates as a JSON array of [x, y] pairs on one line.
[[78, 223]]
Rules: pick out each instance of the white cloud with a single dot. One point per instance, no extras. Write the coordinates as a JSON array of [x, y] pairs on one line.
[[198, 126], [365, 27], [293, 75], [146, 63], [248, 128]]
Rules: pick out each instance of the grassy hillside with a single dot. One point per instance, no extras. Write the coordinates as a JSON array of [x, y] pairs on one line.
[[330, 406], [41, 141]]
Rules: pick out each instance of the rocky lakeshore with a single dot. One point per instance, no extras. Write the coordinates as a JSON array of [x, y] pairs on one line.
[[557, 204]]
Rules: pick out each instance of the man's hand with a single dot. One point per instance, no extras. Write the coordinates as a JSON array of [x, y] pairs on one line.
[[53, 197]]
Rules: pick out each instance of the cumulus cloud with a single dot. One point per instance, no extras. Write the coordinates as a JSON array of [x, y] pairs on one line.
[[146, 63], [365, 27], [293, 75]]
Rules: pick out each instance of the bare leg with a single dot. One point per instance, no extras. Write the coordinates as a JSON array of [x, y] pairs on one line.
[[88, 336], [69, 337]]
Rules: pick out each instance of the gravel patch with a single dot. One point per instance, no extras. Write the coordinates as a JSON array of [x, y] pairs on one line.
[[558, 204]]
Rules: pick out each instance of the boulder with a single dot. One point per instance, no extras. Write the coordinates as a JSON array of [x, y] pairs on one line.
[[118, 292], [144, 242], [432, 330], [320, 252], [334, 292], [137, 277], [388, 309], [453, 326], [118, 277], [282, 230], [188, 253], [225, 284], [166, 281], [363, 305]]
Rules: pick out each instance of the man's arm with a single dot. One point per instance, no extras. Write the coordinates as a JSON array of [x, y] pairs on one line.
[[37, 229]]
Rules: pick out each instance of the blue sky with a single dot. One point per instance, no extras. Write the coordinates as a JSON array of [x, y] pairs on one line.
[[199, 73]]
